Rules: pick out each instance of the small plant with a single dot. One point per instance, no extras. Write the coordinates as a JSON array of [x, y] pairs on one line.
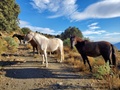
[[66, 42], [109, 74], [102, 71], [11, 44]]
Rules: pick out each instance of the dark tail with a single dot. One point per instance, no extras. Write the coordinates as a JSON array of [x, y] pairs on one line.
[[113, 55]]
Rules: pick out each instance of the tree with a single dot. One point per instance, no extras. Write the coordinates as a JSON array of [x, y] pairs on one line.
[[9, 12], [25, 30], [71, 31]]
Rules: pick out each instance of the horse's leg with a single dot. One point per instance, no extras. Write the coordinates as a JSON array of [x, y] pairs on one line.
[[37, 49], [20, 41], [45, 55], [33, 50], [85, 58], [61, 53], [43, 58], [113, 56], [89, 64], [107, 57]]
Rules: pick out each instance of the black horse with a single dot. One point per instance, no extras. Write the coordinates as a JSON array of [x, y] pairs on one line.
[[93, 49], [20, 37]]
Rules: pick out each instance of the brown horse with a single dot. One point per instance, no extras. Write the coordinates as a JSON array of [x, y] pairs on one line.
[[34, 45], [93, 49], [32, 42]]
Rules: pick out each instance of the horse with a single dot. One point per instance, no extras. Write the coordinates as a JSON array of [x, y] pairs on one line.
[[20, 37], [46, 44], [93, 49], [34, 46], [32, 42]]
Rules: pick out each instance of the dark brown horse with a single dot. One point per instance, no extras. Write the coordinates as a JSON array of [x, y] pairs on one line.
[[93, 49]]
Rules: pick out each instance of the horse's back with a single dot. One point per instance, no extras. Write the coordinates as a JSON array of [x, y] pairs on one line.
[[96, 48], [54, 43]]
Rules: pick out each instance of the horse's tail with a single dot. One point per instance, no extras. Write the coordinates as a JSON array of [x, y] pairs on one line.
[[113, 55]]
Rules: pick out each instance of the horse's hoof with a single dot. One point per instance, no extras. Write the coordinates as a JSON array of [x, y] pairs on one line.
[[46, 65], [60, 61]]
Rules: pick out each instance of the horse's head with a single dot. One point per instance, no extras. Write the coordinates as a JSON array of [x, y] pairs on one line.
[[14, 35], [28, 37], [72, 41]]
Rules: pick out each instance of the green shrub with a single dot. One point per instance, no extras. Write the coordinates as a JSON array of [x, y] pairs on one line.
[[102, 71], [66, 42], [110, 75], [11, 44]]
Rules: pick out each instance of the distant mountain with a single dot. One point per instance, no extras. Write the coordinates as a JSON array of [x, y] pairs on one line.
[[117, 45]]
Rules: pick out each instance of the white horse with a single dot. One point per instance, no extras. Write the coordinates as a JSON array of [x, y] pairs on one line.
[[45, 44]]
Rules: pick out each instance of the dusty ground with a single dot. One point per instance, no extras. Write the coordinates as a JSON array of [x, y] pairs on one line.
[[32, 75]]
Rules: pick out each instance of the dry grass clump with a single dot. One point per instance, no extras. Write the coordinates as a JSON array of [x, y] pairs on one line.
[[28, 46]]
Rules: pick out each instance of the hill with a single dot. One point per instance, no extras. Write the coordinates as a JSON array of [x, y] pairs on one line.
[[117, 45]]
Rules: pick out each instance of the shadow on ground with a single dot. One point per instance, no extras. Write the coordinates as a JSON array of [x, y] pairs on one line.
[[30, 73], [8, 63]]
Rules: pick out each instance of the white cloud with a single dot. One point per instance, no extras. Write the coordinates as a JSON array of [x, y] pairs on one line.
[[112, 34], [96, 34], [69, 9], [93, 26], [93, 29], [57, 7], [92, 32], [39, 29]]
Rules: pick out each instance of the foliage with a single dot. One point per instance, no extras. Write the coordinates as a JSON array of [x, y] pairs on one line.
[[102, 71], [71, 31], [110, 75], [25, 30], [11, 44], [66, 42], [9, 11]]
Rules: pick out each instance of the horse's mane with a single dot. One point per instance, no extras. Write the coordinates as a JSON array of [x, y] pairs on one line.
[[38, 34], [78, 38]]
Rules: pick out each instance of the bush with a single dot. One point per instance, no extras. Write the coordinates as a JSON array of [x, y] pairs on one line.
[[11, 44], [110, 75], [66, 42], [102, 71]]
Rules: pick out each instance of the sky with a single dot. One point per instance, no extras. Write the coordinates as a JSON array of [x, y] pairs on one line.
[[96, 19]]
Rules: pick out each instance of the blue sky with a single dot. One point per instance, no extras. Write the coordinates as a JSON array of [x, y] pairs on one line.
[[97, 19]]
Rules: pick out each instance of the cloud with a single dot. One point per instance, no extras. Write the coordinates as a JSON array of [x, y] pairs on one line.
[[93, 26], [39, 29], [96, 34], [57, 7], [69, 9], [93, 29], [92, 32], [112, 34]]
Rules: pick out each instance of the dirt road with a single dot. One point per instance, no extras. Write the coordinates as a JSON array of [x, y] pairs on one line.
[[32, 75]]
